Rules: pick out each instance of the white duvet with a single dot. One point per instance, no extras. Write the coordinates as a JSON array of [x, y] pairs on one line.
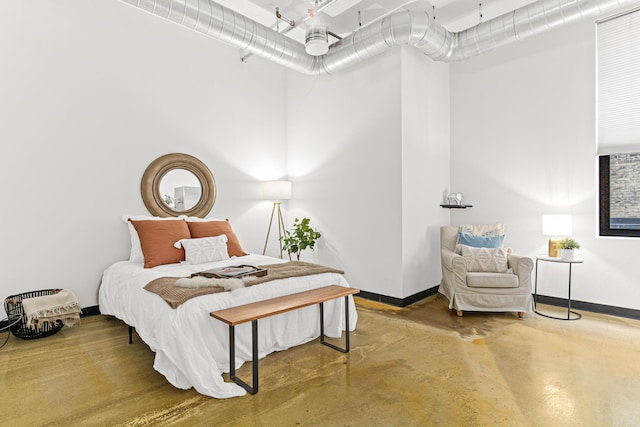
[[192, 348]]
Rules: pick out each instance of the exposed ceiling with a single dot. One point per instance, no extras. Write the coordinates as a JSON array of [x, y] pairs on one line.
[[454, 35], [345, 16]]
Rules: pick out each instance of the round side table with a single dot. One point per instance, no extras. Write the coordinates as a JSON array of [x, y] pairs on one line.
[[545, 258]]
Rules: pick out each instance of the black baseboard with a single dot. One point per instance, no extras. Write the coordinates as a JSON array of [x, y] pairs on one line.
[[398, 302], [90, 311], [610, 310]]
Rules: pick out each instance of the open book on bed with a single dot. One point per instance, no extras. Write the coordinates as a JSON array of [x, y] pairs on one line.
[[233, 271]]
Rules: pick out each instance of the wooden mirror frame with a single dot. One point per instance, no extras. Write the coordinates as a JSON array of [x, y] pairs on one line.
[[150, 185]]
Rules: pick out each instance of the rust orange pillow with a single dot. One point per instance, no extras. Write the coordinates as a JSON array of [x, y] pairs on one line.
[[216, 228], [157, 239]]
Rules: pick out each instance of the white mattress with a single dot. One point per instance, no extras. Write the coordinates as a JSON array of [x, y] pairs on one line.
[[192, 347]]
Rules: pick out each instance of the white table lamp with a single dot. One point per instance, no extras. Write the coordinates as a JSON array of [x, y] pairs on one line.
[[276, 191], [556, 226]]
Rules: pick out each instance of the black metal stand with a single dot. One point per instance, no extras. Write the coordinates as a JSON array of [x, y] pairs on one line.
[[346, 320], [281, 229], [254, 359], [577, 315], [5, 326], [253, 388]]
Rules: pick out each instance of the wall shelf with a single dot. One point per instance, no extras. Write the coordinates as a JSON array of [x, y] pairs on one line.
[[456, 206]]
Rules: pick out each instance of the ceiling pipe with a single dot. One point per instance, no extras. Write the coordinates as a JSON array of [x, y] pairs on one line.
[[223, 24], [410, 28], [527, 21]]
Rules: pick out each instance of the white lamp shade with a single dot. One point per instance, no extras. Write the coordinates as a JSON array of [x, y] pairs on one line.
[[276, 190], [557, 225]]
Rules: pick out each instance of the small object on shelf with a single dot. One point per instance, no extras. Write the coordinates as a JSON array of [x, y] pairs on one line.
[[454, 198], [454, 201]]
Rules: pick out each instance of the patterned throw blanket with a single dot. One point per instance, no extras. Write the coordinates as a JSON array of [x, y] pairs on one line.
[[175, 295], [62, 306]]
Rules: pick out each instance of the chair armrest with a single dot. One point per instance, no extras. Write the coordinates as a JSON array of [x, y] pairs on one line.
[[453, 262], [454, 269], [522, 266]]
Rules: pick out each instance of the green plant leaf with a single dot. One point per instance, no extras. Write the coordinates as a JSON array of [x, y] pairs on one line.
[[301, 237], [568, 243]]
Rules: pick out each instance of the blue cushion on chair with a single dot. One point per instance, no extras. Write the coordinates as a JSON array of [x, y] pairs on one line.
[[481, 241]]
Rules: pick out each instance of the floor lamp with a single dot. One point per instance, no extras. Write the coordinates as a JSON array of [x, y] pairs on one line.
[[276, 191]]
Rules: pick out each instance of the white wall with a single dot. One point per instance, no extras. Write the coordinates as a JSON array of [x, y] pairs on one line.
[[425, 169], [344, 134], [90, 94], [523, 145], [368, 152]]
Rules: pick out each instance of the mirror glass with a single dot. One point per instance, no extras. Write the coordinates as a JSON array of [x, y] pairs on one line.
[[180, 190], [178, 184]]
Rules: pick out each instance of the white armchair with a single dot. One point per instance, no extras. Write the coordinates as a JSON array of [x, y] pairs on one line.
[[480, 290]]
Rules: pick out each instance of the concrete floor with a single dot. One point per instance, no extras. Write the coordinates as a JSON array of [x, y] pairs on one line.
[[416, 366]]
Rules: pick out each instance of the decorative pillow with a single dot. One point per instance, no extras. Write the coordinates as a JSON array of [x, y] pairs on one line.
[[490, 260], [157, 239], [216, 228], [487, 230], [480, 241], [135, 254], [204, 249]]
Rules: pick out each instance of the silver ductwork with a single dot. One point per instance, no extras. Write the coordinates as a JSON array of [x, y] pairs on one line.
[[409, 28], [223, 24], [527, 21]]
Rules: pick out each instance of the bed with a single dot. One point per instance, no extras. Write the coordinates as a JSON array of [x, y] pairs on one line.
[[191, 347]]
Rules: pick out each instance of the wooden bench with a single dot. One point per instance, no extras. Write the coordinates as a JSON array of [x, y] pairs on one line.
[[257, 310]]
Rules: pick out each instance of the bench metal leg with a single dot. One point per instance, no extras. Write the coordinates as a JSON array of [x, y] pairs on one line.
[[346, 318], [253, 389], [232, 358]]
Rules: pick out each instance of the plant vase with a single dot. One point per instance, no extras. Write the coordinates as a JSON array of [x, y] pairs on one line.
[[567, 254]]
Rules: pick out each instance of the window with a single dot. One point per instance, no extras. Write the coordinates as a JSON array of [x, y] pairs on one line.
[[618, 123], [620, 195]]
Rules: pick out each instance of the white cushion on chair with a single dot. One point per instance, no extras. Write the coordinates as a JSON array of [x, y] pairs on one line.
[[492, 280]]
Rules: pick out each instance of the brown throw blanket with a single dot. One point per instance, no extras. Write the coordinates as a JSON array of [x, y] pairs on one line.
[[174, 295]]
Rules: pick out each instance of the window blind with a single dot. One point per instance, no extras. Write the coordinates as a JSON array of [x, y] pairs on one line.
[[618, 68]]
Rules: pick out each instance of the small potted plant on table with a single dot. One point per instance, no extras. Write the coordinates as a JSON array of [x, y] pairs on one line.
[[567, 248]]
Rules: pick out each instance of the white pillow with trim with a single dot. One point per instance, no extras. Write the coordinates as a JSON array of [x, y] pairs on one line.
[[204, 249], [489, 260]]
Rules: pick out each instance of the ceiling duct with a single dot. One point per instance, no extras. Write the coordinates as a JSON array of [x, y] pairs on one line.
[[415, 29], [316, 41], [316, 38]]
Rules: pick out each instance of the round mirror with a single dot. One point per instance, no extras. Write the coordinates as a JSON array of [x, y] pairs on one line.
[[180, 190], [178, 184]]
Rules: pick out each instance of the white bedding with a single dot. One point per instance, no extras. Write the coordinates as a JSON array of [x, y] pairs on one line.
[[192, 347]]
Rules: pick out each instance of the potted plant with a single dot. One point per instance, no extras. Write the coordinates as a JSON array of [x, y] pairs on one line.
[[301, 237], [567, 247]]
